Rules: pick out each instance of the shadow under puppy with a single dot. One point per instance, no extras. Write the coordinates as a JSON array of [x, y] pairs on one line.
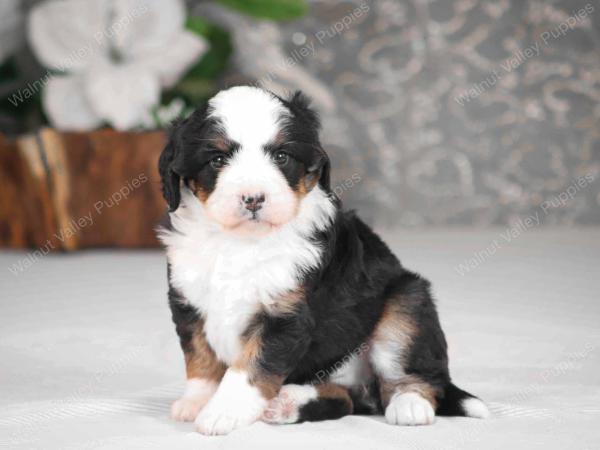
[[272, 284]]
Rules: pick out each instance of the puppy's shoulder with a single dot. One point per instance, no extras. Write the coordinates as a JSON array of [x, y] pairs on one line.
[[358, 233]]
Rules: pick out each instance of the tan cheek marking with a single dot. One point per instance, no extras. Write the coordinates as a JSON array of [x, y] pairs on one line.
[[200, 193], [202, 362], [306, 183]]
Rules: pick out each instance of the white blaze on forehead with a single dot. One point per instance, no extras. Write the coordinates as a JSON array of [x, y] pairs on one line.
[[249, 115], [252, 118]]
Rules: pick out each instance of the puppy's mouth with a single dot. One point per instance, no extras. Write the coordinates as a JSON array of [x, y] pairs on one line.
[[251, 222], [256, 218]]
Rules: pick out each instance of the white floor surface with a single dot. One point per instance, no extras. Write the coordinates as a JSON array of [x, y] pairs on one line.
[[89, 358]]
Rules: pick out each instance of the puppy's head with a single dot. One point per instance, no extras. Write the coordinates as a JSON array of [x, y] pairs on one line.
[[249, 156]]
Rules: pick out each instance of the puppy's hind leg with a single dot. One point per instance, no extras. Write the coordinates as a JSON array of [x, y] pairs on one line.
[[411, 403], [297, 403], [408, 354]]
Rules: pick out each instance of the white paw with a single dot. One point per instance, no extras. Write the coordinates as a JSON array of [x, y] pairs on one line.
[[223, 418], [236, 404], [197, 394], [285, 407], [474, 407], [186, 409], [409, 409]]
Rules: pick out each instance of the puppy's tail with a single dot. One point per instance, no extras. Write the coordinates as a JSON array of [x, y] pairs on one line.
[[457, 402]]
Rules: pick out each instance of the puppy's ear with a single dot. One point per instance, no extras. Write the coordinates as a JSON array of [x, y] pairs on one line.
[[299, 104], [325, 166], [319, 169], [319, 166], [171, 180]]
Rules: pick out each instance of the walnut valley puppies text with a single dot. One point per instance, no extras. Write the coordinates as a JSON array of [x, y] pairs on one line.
[[524, 224], [75, 225], [122, 194], [519, 57]]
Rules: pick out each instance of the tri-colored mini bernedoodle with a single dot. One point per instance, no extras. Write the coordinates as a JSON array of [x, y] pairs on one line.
[[288, 308]]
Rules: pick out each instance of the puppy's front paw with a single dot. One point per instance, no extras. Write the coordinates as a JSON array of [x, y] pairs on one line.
[[186, 409], [197, 394], [236, 404], [216, 422], [409, 409], [222, 418]]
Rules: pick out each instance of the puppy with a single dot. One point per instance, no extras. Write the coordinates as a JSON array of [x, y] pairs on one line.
[[288, 308]]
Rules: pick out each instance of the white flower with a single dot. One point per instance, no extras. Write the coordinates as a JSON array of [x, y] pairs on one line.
[[165, 114], [10, 27], [116, 56]]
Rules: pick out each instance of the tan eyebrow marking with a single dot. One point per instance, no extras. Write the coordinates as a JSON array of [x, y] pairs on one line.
[[279, 138], [220, 143]]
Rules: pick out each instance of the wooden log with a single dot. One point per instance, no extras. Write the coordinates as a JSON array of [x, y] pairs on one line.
[[67, 191], [26, 213]]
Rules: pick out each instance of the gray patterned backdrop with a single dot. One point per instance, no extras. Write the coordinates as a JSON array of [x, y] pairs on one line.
[[445, 112]]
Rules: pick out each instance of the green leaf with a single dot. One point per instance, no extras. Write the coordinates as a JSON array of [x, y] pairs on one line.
[[198, 25], [8, 70], [279, 10], [20, 104], [195, 91], [199, 83], [216, 58]]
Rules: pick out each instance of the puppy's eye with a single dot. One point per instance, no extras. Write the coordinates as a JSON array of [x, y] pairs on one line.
[[217, 162], [281, 158]]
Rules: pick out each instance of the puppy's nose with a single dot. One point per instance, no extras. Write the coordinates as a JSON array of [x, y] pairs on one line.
[[253, 202]]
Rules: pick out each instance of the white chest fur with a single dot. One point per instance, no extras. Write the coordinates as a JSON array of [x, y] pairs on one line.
[[229, 278]]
